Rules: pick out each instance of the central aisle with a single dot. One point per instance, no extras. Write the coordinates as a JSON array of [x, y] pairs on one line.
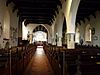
[[39, 64]]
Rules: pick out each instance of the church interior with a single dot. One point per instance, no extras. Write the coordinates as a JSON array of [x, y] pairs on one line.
[[49, 37]]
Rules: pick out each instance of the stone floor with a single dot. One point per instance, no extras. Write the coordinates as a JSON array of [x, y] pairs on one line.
[[39, 64]]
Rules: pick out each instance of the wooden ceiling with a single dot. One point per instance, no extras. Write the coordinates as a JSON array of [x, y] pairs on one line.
[[86, 8], [45, 11], [36, 11]]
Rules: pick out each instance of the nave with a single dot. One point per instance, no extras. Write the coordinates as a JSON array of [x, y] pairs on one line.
[[50, 60], [62, 23]]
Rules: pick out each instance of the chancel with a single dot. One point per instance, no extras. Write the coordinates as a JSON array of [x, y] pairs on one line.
[[49, 37]]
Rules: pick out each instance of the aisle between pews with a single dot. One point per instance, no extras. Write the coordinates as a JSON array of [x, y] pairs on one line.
[[39, 64]]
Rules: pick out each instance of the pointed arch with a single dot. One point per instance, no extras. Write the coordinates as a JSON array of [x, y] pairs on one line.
[[40, 28], [40, 36]]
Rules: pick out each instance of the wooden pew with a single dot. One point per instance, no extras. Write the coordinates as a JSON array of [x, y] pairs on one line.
[[13, 59], [68, 61]]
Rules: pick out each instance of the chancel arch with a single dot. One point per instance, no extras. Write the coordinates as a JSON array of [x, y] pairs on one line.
[[30, 28], [40, 33]]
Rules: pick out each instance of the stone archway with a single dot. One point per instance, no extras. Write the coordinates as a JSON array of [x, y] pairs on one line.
[[57, 27]]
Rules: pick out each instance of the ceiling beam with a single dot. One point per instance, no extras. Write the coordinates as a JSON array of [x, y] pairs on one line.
[[37, 5], [36, 14], [36, 17], [37, 22]]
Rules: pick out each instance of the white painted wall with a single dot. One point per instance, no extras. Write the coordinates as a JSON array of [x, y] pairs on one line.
[[13, 23], [94, 22]]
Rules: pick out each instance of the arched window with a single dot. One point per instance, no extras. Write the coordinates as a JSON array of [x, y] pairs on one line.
[[40, 36], [6, 28], [88, 33], [40, 33], [77, 36]]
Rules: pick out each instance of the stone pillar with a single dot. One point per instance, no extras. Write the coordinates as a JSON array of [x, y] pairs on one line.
[[59, 27], [65, 38], [53, 41], [59, 41], [70, 40], [70, 15]]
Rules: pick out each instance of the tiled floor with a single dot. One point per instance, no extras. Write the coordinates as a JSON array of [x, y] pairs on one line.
[[39, 64]]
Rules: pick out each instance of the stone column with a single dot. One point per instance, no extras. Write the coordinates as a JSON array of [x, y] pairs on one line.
[[70, 15], [59, 41], [65, 39], [70, 40], [53, 41]]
